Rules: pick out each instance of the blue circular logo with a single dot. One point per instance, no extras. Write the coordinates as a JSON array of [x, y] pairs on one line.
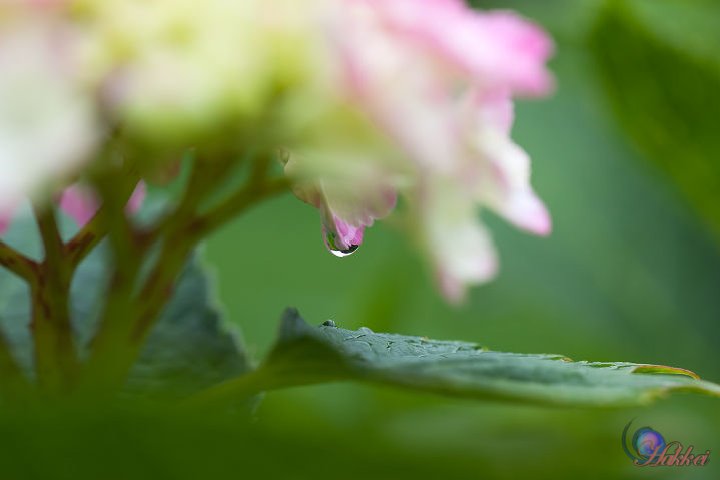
[[645, 443]]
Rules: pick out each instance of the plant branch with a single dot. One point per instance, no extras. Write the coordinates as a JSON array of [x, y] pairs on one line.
[[55, 356], [203, 179], [159, 284], [17, 263], [128, 317], [104, 368], [236, 204], [87, 238]]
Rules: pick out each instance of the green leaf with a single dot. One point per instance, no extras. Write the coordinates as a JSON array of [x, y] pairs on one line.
[[189, 349], [305, 354], [660, 67]]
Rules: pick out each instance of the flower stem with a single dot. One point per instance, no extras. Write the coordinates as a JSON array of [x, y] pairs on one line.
[[137, 295], [263, 379], [124, 181], [55, 356], [110, 345], [17, 263]]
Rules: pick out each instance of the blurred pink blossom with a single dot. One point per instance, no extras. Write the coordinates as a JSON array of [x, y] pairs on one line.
[[81, 204], [438, 77], [377, 100]]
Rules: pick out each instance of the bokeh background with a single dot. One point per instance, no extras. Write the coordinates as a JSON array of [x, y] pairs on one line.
[[626, 155]]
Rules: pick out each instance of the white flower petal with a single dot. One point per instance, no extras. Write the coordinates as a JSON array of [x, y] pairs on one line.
[[47, 121]]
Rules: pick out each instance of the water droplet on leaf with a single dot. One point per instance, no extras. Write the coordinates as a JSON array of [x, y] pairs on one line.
[[328, 323]]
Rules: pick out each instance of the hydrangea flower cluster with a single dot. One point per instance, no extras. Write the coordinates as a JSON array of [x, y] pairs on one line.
[[370, 101]]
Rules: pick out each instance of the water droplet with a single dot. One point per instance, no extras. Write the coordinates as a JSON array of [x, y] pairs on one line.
[[329, 239], [328, 323], [365, 330]]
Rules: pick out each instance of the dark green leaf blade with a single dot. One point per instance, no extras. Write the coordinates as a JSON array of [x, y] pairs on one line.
[[466, 369], [190, 347]]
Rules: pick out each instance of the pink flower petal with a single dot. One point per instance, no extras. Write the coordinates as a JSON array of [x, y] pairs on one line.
[[343, 235], [137, 198], [525, 210], [513, 53], [347, 234], [494, 109], [437, 79], [5, 220], [498, 49], [80, 203], [506, 186], [460, 247]]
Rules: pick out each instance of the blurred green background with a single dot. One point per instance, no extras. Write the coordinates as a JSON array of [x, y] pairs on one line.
[[626, 156]]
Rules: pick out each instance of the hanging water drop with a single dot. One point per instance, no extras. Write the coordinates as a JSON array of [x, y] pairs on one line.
[[329, 240]]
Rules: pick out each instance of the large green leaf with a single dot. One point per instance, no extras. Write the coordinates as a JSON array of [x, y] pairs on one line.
[[660, 65], [305, 354], [189, 348]]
